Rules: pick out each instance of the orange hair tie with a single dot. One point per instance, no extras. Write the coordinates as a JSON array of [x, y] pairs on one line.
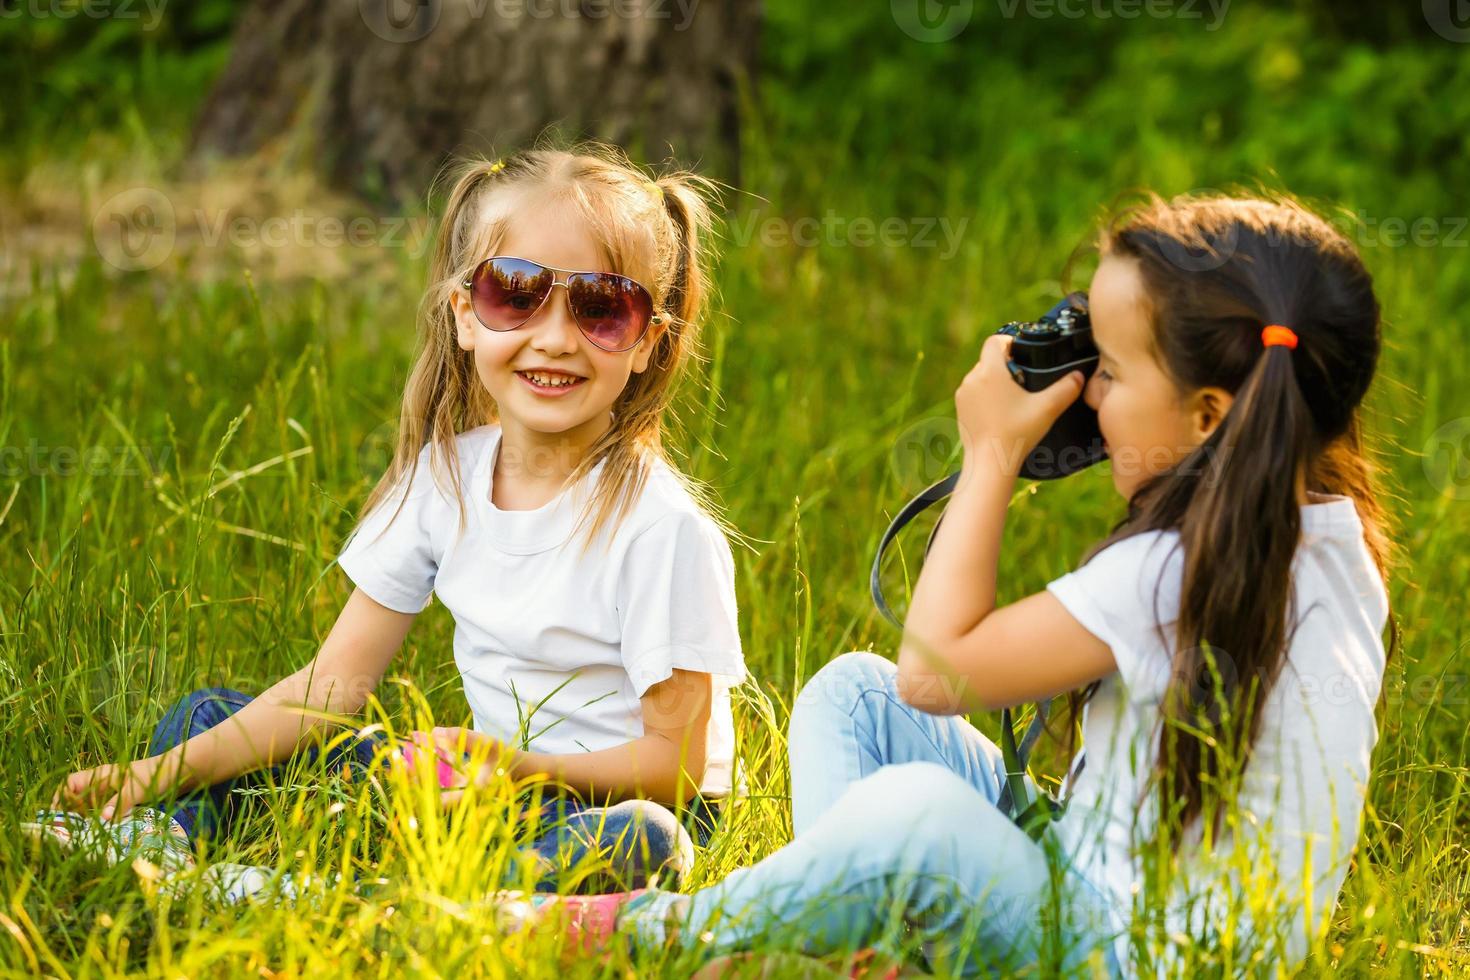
[[1277, 335]]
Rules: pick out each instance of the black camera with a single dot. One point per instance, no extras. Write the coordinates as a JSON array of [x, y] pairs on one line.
[[1044, 351]]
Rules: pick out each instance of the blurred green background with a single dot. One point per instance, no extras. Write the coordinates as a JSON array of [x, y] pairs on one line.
[[237, 399]]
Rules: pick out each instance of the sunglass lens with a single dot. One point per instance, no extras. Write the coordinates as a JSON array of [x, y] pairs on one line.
[[613, 311], [508, 291]]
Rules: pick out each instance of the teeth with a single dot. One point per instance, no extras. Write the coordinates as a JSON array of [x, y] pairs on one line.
[[551, 380]]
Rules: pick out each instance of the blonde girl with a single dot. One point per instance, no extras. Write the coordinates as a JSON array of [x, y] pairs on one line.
[[531, 491]]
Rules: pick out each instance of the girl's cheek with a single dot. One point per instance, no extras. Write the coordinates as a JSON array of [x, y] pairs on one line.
[[1104, 418], [1092, 393]]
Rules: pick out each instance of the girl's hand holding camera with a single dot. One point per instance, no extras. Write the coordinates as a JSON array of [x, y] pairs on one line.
[[998, 418]]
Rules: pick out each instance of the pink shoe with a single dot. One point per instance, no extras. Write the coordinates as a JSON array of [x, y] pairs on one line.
[[864, 967], [587, 921]]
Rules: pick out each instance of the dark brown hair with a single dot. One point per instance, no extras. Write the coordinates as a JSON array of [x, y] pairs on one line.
[[1216, 270]]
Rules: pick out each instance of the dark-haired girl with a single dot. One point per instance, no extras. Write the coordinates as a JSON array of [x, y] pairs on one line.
[[1223, 644]]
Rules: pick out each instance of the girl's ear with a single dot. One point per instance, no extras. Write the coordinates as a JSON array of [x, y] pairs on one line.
[[1208, 409], [644, 351], [465, 321]]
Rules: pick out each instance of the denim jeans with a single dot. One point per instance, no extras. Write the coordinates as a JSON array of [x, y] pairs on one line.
[[896, 824], [636, 837]]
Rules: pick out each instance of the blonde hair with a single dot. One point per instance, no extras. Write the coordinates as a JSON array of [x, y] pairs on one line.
[[655, 229]]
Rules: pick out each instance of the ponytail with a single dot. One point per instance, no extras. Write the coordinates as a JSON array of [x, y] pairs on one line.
[[685, 294], [1293, 424], [1244, 515]]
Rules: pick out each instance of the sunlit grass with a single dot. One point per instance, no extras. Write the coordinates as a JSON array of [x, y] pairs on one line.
[[238, 407]]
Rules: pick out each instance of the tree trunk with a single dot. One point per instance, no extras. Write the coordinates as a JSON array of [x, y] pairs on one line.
[[377, 94]]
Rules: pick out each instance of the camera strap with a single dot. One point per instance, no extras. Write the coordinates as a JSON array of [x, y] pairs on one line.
[[1032, 816]]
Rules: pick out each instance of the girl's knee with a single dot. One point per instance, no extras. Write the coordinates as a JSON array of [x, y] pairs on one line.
[[646, 838], [914, 798], [920, 823], [844, 680], [647, 820], [225, 700], [202, 694], [198, 711]]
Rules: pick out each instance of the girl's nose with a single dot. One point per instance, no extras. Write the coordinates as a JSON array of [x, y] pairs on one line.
[[553, 330]]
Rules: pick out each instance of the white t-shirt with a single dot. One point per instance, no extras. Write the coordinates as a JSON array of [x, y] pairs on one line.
[[1309, 770], [555, 648]]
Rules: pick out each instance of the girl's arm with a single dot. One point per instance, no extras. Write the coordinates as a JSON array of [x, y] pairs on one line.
[[338, 679], [665, 765], [349, 665], [958, 651]]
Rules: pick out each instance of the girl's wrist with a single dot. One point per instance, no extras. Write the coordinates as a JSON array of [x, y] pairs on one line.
[[147, 777], [520, 764], [993, 452], [169, 770], [508, 761], [979, 470]]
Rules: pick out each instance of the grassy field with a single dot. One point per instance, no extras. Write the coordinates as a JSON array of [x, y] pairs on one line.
[[185, 444]]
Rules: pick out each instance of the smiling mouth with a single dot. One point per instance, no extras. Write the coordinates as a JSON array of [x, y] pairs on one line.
[[550, 380]]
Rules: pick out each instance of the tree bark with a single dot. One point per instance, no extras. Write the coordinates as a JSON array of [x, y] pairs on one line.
[[377, 94]]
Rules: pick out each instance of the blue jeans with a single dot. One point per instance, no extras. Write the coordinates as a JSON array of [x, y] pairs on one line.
[[636, 837], [896, 824]]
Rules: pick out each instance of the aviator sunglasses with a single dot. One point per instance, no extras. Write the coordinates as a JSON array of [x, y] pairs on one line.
[[612, 311]]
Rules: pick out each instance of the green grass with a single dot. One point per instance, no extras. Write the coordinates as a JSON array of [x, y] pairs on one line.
[[240, 419]]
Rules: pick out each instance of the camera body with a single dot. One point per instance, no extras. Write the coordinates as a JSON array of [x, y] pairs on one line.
[[1044, 351]]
